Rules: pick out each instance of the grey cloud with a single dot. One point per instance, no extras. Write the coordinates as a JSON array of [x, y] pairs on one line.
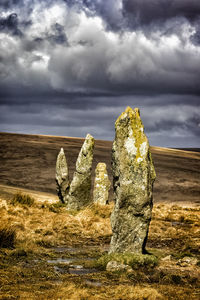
[[145, 12], [120, 13], [78, 65], [6, 4], [146, 15], [190, 124], [110, 11], [172, 123], [58, 35], [137, 66], [195, 38], [10, 24]]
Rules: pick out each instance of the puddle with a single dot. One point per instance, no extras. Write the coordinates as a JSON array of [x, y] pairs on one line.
[[72, 269], [80, 250], [82, 271], [69, 266], [68, 260], [176, 223], [61, 260], [75, 270], [61, 270], [66, 249]]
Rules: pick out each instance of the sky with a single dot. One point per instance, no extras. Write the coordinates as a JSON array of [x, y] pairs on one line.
[[71, 67]]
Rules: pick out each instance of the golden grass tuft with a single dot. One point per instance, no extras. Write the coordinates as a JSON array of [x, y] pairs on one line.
[[7, 234], [23, 199]]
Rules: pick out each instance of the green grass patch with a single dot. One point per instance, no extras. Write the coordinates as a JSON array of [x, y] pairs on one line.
[[23, 199], [103, 211], [56, 207], [133, 260]]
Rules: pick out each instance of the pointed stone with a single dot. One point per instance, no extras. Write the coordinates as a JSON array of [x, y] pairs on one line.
[[62, 176], [80, 187], [101, 185], [133, 177]]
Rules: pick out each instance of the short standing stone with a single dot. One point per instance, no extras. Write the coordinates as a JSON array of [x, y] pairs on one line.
[[62, 176], [101, 185], [133, 177], [80, 187]]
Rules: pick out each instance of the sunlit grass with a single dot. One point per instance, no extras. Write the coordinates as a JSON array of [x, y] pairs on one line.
[[31, 232], [23, 199]]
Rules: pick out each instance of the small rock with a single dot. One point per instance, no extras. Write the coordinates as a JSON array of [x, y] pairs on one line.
[[113, 266], [78, 267], [166, 258], [93, 283], [187, 261]]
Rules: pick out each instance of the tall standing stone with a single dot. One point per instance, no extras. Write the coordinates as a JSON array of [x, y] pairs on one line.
[[80, 187], [133, 177], [101, 185], [62, 176]]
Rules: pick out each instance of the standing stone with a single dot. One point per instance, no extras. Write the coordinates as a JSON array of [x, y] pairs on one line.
[[80, 187], [101, 185], [62, 176], [133, 177]]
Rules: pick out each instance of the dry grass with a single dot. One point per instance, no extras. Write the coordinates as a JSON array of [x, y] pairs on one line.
[[40, 225], [176, 227], [37, 229], [7, 234], [23, 199], [118, 292]]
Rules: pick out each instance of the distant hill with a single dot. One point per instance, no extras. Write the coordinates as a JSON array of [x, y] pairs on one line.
[[28, 161], [190, 149]]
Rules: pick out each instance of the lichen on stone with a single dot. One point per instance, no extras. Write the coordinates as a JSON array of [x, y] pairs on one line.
[[80, 187], [101, 185], [133, 177], [62, 176]]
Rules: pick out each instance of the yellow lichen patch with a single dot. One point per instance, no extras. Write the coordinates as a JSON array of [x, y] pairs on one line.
[[136, 143], [101, 184], [133, 177], [141, 141]]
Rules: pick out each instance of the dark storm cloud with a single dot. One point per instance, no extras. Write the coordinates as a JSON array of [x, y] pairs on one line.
[[146, 12], [6, 4], [10, 24], [169, 124], [139, 14], [71, 67], [58, 35], [117, 13], [190, 124], [195, 38]]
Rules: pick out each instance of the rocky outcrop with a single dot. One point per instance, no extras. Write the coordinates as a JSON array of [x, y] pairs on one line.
[[80, 187], [62, 176], [133, 177], [101, 185]]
